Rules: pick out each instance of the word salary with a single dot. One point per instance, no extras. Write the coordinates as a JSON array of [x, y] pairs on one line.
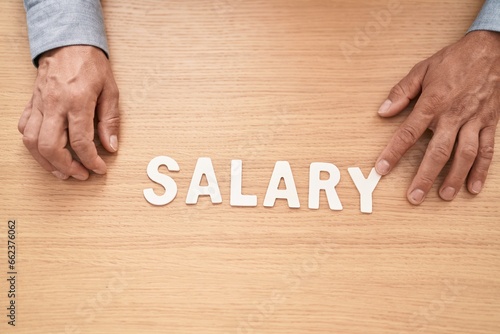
[[282, 171]]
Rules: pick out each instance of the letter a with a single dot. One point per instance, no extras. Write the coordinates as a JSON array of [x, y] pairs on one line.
[[283, 171]]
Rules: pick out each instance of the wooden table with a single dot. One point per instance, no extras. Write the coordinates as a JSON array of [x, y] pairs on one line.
[[259, 81]]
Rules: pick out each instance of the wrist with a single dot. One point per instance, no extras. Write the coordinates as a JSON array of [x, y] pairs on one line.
[[485, 36], [71, 52]]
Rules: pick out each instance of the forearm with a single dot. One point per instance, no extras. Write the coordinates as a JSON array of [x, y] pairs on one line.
[[57, 23]]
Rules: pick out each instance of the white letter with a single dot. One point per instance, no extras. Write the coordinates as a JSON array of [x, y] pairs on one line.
[[203, 167], [364, 186], [282, 170], [238, 199], [166, 181], [316, 185]]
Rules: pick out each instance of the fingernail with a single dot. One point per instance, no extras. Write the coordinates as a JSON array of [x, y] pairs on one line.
[[99, 171], [448, 193], [59, 175], [113, 142], [80, 177], [417, 196], [476, 187], [383, 167], [384, 108]]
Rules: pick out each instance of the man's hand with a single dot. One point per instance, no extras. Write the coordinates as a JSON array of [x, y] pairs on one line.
[[73, 84], [459, 102]]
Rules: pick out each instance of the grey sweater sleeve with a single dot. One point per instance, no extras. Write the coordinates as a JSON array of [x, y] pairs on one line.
[[56, 23], [488, 18]]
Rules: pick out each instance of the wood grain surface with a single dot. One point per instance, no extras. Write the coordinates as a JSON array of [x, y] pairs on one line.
[[259, 81]]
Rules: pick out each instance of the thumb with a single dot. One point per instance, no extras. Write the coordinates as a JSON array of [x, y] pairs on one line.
[[108, 115], [406, 90]]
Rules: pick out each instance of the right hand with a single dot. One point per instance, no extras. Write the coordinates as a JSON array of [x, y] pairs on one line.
[[73, 84], [459, 100]]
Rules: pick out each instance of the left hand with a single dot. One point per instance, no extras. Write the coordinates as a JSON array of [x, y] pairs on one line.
[[74, 85], [460, 104]]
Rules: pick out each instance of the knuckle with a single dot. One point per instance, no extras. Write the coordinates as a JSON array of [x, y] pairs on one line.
[[436, 99], [419, 66], [468, 151], [46, 149], [407, 134], [51, 96], [425, 181], [486, 152], [77, 96], [440, 152], [490, 116], [30, 141], [393, 154], [471, 101], [74, 94], [112, 124], [481, 169], [397, 90], [78, 144], [458, 109], [432, 103], [113, 121], [417, 69]]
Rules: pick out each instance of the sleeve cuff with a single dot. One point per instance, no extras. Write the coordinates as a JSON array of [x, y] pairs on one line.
[[57, 23], [488, 18]]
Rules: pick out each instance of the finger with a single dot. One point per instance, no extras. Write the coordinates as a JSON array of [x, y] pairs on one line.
[[108, 115], [23, 120], [437, 154], [482, 163], [406, 90], [81, 136], [52, 146], [465, 154], [31, 132], [402, 140]]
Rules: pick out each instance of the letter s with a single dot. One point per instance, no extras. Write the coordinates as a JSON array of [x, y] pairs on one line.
[[164, 180]]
